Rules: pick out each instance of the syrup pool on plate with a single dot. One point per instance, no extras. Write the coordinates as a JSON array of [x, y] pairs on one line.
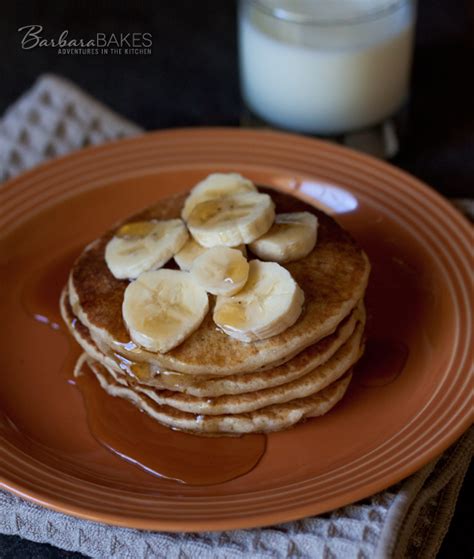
[[139, 439], [40, 300]]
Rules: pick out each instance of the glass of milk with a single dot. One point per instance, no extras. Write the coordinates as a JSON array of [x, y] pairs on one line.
[[325, 67]]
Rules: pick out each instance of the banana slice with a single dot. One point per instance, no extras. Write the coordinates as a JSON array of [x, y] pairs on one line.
[[191, 250], [215, 186], [270, 302], [141, 246], [291, 237], [221, 270], [232, 220], [162, 308]]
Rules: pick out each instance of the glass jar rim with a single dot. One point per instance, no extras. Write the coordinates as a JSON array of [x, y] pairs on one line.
[[290, 16]]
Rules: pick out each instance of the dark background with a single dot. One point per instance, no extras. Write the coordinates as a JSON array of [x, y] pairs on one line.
[[191, 78]]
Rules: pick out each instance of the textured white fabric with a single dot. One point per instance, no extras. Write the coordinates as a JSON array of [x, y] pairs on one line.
[[54, 118], [408, 520]]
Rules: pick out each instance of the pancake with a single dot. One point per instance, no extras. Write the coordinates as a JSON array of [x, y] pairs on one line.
[[272, 418], [201, 386], [306, 385], [333, 277]]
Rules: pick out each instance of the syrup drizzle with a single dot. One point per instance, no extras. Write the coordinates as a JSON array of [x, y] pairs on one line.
[[40, 299], [382, 362], [40, 295], [134, 436]]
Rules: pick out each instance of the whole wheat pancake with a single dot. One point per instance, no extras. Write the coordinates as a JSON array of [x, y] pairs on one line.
[[306, 361], [333, 277], [306, 385], [268, 419]]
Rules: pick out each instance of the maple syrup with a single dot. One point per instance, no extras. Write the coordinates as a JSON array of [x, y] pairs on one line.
[[141, 371], [395, 301], [134, 436], [171, 379], [205, 211], [40, 300], [135, 369], [145, 373], [382, 362], [40, 295], [236, 272], [136, 229], [230, 314]]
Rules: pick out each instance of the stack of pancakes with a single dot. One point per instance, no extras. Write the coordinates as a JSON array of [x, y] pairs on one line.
[[215, 384]]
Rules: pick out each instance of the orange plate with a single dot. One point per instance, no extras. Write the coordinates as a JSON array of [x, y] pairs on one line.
[[389, 424]]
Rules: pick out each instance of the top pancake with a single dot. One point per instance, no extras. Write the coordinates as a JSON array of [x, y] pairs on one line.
[[333, 277]]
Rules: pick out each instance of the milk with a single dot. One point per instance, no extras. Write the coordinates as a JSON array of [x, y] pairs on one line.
[[329, 77]]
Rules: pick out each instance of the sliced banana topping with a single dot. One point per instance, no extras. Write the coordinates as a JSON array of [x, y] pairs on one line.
[[215, 186], [191, 250], [232, 220], [221, 270], [188, 254], [141, 246], [291, 237], [162, 308], [270, 302]]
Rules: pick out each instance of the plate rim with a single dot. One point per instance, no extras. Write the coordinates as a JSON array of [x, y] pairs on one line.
[[249, 521]]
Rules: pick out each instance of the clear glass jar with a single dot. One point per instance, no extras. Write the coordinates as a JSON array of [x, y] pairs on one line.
[[325, 67]]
